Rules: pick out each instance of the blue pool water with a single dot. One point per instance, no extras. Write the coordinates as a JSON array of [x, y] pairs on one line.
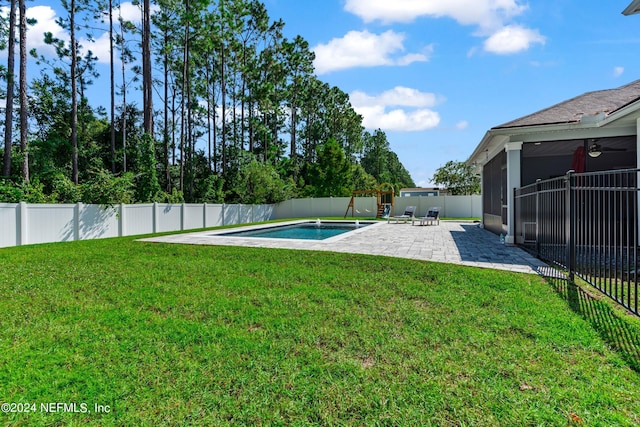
[[305, 231]]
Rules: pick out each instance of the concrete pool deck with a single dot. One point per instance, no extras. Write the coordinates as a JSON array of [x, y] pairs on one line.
[[454, 242]]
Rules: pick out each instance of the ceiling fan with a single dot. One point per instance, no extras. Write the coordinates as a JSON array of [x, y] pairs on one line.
[[595, 149]]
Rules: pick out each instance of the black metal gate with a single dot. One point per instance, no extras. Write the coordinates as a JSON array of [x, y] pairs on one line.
[[586, 224]]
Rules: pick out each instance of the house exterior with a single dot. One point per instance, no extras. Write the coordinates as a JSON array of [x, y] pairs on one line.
[[596, 131]]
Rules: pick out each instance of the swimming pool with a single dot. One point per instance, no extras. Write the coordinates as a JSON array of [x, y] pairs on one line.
[[308, 230]]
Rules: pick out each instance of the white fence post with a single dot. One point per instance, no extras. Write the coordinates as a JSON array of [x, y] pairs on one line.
[[182, 216], [155, 217], [121, 223], [204, 215], [76, 221], [23, 237]]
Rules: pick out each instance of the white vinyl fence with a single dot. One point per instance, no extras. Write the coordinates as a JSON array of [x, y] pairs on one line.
[[450, 206], [22, 223]]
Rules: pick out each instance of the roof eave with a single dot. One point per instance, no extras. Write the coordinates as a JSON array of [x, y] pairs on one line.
[[545, 125], [509, 132], [632, 9], [482, 148]]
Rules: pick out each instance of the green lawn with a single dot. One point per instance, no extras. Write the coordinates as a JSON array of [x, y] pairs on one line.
[[193, 335]]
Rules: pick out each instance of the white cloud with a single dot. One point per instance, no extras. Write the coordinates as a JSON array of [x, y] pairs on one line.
[[100, 48], [131, 13], [483, 13], [46, 16], [398, 120], [415, 57], [417, 116], [46, 23], [618, 71], [462, 125], [398, 96], [491, 17], [128, 12], [512, 39], [365, 49], [472, 52]]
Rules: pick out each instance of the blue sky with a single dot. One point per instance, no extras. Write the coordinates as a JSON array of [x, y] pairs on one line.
[[435, 75]]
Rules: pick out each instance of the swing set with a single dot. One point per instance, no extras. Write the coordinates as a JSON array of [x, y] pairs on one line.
[[384, 201]]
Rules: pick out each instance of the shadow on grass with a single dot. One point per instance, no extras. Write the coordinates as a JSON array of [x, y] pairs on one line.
[[620, 334]]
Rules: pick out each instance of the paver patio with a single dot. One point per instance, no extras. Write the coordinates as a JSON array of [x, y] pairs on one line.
[[452, 242]]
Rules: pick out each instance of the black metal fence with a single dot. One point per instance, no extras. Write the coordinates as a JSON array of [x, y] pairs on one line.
[[586, 224]]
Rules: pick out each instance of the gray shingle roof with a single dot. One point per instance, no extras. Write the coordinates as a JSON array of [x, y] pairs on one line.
[[604, 102]]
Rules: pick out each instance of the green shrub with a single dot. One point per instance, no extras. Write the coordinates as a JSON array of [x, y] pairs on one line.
[[105, 189], [65, 191], [147, 187], [28, 192], [174, 197]]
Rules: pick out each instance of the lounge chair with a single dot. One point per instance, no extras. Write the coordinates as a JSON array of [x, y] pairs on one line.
[[432, 215], [408, 214]]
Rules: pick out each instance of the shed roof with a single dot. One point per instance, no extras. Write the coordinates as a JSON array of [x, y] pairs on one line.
[[596, 105]]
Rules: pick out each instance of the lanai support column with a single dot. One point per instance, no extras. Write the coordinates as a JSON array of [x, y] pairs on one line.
[[480, 170], [514, 150]]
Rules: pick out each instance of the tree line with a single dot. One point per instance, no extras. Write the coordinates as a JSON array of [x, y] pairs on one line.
[[231, 111]]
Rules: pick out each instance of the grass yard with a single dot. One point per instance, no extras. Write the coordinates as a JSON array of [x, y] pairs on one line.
[[162, 334]]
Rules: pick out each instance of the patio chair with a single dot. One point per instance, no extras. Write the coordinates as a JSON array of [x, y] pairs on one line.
[[408, 214], [432, 215]]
